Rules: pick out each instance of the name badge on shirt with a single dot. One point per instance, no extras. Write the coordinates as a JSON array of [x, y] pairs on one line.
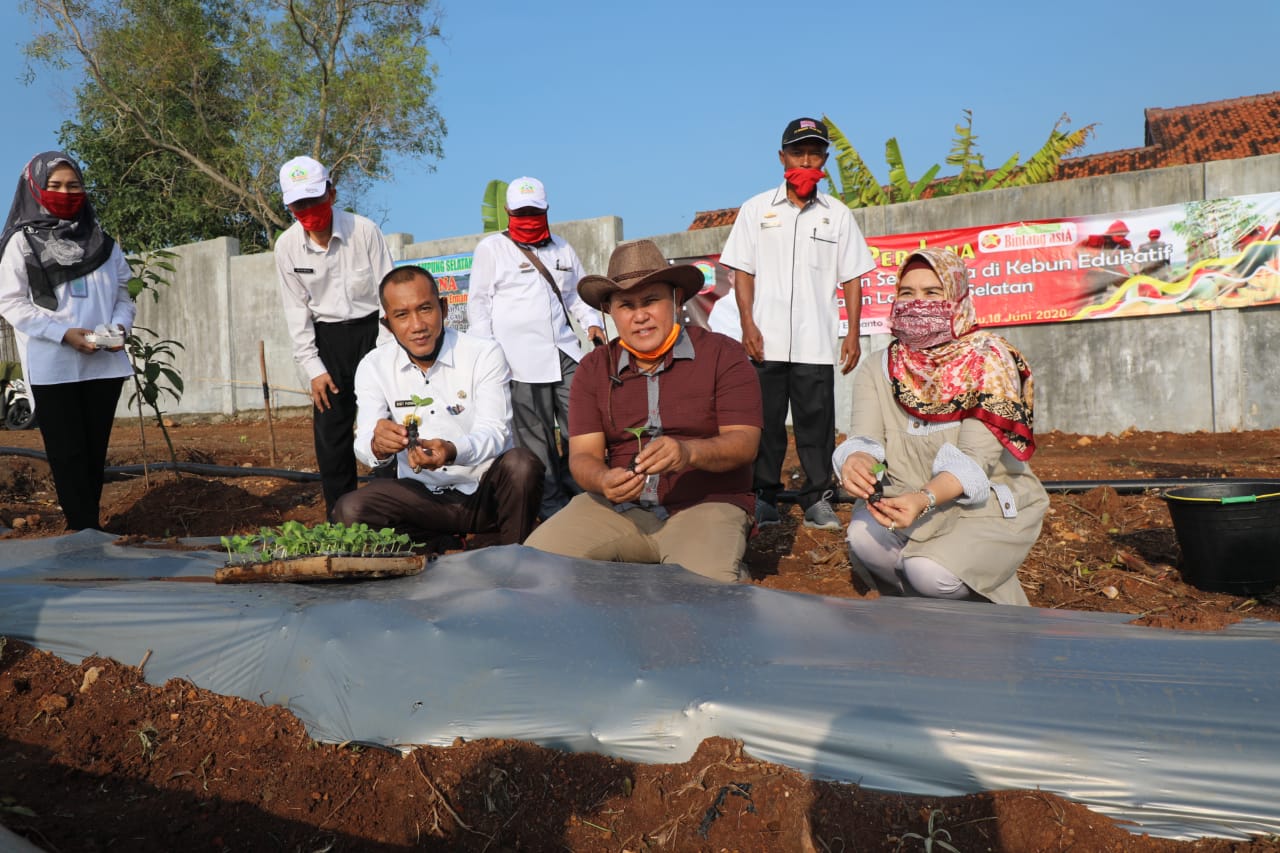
[[771, 220], [79, 288], [307, 270], [405, 404]]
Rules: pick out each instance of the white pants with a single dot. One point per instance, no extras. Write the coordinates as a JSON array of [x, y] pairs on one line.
[[880, 550]]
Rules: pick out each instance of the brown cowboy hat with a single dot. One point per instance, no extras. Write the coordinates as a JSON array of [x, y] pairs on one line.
[[636, 264]]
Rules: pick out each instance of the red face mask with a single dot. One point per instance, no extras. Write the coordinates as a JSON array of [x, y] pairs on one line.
[[803, 181], [61, 205], [528, 229], [317, 218]]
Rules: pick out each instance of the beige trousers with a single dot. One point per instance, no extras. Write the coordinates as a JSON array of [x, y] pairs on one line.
[[708, 539]]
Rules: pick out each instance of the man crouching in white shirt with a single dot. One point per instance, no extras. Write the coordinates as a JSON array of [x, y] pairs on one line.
[[450, 393]]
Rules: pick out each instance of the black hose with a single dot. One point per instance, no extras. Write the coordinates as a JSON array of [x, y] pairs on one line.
[[120, 472], [1124, 487]]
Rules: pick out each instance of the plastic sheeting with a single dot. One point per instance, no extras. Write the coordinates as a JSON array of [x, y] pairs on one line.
[[1177, 732]]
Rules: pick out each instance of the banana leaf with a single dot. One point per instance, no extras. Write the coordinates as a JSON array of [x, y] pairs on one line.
[[493, 209]]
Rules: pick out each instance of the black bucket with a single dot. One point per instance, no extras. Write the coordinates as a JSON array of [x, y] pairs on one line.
[[1229, 534]]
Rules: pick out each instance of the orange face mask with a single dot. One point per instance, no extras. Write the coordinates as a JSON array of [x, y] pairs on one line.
[[663, 348]]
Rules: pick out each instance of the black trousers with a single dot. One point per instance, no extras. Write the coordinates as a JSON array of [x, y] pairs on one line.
[[809, 391], [506, 500], [538, 410], [341, 347], [75, 420]]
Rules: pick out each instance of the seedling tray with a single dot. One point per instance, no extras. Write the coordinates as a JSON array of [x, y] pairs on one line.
[[321, 568]]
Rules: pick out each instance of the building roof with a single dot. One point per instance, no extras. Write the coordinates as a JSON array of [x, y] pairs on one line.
[[1198, 133], [714, 218], [1175, 136]]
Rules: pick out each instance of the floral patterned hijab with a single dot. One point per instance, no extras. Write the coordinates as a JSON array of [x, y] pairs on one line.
[[61, 249], [975, 374]]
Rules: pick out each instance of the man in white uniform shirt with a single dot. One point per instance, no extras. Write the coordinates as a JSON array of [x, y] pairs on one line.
[[791, 248], [524, 284], [330, 263], [458, 469]]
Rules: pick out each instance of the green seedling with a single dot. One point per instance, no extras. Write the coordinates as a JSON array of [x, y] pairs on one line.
[[877, 493], [935, 839], [421, 401], [294, 539], [640, 432]]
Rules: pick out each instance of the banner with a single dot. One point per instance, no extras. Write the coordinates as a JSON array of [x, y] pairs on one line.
[[1197, 256], [453, 276]]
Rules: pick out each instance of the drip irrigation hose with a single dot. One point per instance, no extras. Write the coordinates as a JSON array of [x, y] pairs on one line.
[[1124, 487], [120, 472]]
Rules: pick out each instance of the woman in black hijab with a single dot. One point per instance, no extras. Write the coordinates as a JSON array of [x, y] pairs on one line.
[[64, 289]]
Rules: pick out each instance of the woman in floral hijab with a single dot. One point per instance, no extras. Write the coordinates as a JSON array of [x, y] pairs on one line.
[[942, 429], [64, 289]]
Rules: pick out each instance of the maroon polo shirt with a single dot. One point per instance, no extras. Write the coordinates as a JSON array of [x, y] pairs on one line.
[[696, 396]]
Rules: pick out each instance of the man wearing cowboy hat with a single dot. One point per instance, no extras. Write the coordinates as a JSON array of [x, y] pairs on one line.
[[664, 423]]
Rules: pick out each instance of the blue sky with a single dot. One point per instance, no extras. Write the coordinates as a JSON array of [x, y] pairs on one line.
[[653, 111]]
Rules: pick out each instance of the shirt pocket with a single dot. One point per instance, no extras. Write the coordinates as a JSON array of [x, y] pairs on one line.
[[362, 277], [824, 245]]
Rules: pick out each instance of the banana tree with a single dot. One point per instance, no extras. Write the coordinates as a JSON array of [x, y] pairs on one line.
[[859, 187]]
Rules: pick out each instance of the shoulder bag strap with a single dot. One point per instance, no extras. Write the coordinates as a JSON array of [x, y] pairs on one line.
[[546, 274]]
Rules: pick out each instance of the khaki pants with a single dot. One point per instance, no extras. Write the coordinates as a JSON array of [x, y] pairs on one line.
[[708, 539]]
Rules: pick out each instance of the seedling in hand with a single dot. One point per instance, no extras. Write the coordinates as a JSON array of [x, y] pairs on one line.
[[639, 432], [877, 493], [411, 424]]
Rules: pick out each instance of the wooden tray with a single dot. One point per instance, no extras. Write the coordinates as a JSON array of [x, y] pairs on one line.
[[321, 568]]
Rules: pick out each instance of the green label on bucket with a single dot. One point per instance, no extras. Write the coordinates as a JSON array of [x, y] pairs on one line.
[[1241, 499]]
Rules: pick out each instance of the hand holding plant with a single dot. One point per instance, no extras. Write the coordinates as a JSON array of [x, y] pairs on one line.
[[640, 433], [411, 424], [877, 492]]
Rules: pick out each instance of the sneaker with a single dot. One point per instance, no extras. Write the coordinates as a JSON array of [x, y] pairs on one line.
[[766, 514], [822, 516]]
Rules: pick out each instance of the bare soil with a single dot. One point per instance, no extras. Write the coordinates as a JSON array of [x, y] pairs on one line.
[[94, 758]]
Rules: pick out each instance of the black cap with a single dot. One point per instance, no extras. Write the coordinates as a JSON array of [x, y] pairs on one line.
[[804, 128]]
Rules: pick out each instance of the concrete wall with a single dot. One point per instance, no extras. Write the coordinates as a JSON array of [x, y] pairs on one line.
[[1186, 372]]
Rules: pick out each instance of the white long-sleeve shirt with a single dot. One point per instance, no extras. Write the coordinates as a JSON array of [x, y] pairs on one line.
[[329, 285], [470, 406], [99, 298], [510, 302]]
